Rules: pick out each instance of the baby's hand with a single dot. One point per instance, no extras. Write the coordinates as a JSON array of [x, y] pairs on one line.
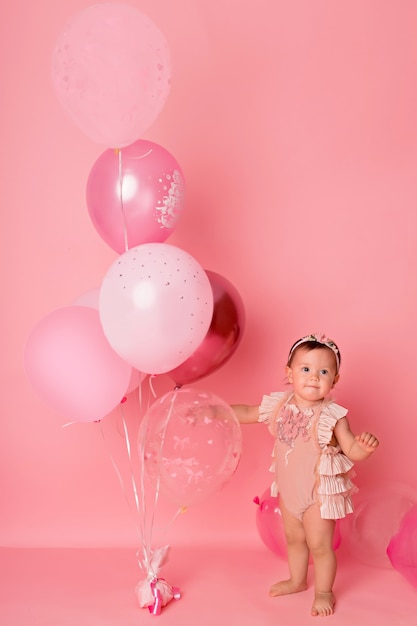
[[367, 441]]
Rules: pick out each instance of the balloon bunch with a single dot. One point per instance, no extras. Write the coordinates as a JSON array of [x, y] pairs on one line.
[[157, 310]]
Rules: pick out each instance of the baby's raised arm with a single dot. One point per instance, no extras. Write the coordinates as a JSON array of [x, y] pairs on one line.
[[357, 447], [245, 413]]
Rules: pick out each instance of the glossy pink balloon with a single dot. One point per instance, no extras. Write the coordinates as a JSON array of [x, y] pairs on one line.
[[135, 195], [191, 445], [402, 549], [72, 366], [111, 72], [271, 526], [223, 337], [156, 304]]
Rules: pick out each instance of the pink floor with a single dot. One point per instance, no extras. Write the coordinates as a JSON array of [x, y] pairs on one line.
[[95, 587]]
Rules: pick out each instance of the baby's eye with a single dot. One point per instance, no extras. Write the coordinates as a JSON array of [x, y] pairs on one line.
[[305, 369], [324, 372]]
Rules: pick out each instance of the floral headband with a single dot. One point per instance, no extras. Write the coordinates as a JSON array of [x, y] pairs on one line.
[[325, 341]]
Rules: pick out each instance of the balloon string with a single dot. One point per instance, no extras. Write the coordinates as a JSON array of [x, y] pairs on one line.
[[119, 476], [180, 511], [129, 456], [148, 529], [141, 156], [164, 429], [144, 509], [140, 498], [125, 238], [146, 545], [151, 387], [146, 540]]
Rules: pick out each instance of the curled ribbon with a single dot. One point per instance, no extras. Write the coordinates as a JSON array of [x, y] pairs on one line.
[[160, 598], [156, 607]]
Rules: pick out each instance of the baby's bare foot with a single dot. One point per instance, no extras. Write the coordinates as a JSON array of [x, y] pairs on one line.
[[284, 587], [323, 604]]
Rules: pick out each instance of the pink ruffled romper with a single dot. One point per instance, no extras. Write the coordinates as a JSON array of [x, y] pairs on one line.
[[308, 468]]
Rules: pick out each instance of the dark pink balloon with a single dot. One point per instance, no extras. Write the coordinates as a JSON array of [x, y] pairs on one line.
[[223, 337], [402, 549], [135, 195]]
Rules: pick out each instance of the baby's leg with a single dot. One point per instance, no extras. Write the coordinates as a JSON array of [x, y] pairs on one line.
[[297, 556], [319, 534]]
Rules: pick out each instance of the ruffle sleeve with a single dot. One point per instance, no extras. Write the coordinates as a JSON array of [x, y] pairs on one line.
[[330, 414], [334, 487], [269, 407]]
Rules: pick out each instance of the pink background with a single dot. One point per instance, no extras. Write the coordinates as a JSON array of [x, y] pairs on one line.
[[294, 125]]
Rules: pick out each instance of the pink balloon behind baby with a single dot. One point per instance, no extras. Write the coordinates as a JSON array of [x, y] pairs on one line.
[[271, 526], [156, 305], [135, 195], [72, 366], [111, 72], [402, 549]]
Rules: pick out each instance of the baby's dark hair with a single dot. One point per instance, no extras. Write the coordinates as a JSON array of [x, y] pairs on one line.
[[312, 342]]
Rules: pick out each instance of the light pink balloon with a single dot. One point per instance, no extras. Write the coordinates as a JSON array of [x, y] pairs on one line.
[[72, 366], [111, 72], [135, 195], [156, 305], [190, 441]]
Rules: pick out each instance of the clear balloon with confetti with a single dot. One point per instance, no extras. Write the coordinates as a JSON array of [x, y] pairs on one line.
[[191, 442]]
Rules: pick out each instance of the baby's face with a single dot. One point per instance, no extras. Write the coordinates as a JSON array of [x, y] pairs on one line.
[[312, 374]]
